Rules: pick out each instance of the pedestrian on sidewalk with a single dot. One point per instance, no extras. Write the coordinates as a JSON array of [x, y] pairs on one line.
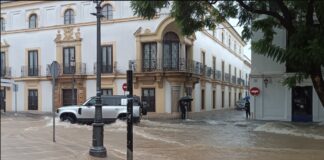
[[183, 109], [247, 109]]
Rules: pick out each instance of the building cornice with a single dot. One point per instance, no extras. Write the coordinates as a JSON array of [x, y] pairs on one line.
[[230, 28], [19, 3], [55, 27], [220, 43]]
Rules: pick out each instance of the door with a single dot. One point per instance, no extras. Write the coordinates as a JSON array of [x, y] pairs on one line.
[[148, 98], [3, 99], [32, 99], [223, 99], [67, 97], [302, 107], [175, 96]]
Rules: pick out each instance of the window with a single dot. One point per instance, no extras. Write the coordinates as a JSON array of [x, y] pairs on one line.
[[230, 70], [229, 42], [107, 59], [149, 56], [107, 11], [223, 70], [214, 67], [3, 64], [107, 92], [239, 49], [68, 60], [33, 21], [235, 46], [32, 99], [235, 72], [69, 16], [222, 37], [32, 63], [170, 51], [2, 24]]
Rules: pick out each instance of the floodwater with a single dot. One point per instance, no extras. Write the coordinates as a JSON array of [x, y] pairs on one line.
[[224, 136]]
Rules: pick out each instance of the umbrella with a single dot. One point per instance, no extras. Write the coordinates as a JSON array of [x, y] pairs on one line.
[[186, 98]]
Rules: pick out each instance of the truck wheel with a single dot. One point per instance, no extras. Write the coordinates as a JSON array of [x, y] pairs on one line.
[[71, 118]]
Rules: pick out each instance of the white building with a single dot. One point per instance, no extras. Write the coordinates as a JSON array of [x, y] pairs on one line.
[[278, 102], [209, 65]]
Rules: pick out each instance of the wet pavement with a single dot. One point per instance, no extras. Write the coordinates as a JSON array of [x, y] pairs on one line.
[[223, 135]]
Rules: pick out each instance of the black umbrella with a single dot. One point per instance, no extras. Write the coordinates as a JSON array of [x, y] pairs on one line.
[[186, 98]]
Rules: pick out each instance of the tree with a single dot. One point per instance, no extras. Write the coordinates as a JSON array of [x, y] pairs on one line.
[[303, 21]]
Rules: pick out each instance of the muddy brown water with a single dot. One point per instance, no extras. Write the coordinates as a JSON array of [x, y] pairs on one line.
[[224, 137]]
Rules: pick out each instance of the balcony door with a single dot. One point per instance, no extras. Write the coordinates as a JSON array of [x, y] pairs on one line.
[[32, 63], [107, 59], [69, 60], [171, 47], [149, 57], [3, 64]]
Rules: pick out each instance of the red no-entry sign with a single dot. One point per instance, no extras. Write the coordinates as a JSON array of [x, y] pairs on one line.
[[254, 91], [125, 87]]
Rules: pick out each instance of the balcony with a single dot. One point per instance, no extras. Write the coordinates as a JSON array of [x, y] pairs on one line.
[[105, 69], [28, 71], [5, 72], [78, 69], [168, 65]]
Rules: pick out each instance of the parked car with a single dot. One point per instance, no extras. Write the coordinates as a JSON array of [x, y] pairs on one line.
[[113, 107], [240, 104]]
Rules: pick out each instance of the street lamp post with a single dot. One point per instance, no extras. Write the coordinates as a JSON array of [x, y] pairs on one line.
[[73, 81], [97, 149]]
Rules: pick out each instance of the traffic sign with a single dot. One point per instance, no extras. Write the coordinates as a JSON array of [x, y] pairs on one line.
[[125, 87], [55, 70], [254, 91]]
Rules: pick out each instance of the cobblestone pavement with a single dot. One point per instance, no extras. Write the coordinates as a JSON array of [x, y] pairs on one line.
[[223, 135]]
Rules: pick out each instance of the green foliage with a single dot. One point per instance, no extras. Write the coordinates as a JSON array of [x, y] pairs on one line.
[[304, 52]]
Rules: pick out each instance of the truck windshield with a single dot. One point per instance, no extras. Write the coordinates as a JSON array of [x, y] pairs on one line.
[[90, 102]]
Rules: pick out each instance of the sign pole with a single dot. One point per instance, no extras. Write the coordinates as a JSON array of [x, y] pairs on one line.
[[130, 115], [53, 110], [54, 72]]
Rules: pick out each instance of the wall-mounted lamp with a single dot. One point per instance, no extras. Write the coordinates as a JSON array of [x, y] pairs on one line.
[[266, 81]]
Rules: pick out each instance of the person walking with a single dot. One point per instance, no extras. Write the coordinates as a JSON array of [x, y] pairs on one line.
[[183, 109], [247, 109]]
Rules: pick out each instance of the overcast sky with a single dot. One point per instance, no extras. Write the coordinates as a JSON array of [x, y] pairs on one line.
[[247, 48]]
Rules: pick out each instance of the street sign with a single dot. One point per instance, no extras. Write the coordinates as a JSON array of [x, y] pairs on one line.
[[254, 91], [55, 69], [125, 87]]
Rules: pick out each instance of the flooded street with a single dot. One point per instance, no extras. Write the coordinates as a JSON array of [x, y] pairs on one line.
[[225, 135]]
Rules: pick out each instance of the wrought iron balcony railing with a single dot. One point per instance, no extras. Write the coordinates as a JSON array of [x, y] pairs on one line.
[[105, 68], [78, 69], [5, 72], [165, 65], [30, 71]]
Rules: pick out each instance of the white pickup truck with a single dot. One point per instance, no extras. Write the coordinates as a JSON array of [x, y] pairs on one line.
[[113, 107]]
